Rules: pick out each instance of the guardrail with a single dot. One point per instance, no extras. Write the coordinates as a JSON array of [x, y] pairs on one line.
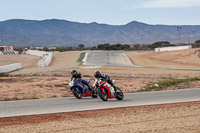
[[172, 48], [10, 68], [46, 57]]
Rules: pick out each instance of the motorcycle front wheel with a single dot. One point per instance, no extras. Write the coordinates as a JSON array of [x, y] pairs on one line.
[[119, 94], [77, 92], [103, 96]]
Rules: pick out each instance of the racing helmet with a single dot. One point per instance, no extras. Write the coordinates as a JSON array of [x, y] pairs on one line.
[[73, 72], [97, 74]]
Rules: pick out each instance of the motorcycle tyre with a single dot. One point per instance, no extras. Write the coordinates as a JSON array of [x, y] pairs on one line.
[[104, 97], [78, 96], [119, 97]]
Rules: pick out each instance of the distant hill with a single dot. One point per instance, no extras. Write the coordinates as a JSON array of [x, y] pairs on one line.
[[66, 33]]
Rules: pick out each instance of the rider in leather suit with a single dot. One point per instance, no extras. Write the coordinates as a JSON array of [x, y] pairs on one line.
[[78, 76], [98, 75]]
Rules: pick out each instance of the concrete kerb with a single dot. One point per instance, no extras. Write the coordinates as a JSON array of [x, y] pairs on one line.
[[85, 58]]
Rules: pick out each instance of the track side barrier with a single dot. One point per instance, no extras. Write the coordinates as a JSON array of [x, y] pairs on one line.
[[10, 68], [46, 57], [172, 48]]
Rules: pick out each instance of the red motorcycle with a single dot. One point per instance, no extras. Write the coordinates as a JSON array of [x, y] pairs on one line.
[[105, 91]]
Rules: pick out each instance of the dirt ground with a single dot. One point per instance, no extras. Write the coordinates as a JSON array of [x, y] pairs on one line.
[[59, 62], [50, 82], [32, 82], [176, 118], [27, 61], [189, 58], [14, 88]]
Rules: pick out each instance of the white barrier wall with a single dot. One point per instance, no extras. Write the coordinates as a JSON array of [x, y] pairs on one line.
[[37, 53], [16, 52], [46, 57], [45, 61], [172, 48], [85, 58], [9, 68], [1, 53]]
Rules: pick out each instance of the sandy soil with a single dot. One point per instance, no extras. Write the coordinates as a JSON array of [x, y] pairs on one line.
[[63, 63], [60, 61], [13, 88], [31, 87], [181, 117], [27, 61], [183, 59], [52, 81]]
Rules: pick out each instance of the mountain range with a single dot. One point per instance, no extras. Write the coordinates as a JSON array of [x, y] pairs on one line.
[[54, 32]]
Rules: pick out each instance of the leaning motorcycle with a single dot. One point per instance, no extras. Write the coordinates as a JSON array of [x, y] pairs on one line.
[[106, 91], [81, 90]]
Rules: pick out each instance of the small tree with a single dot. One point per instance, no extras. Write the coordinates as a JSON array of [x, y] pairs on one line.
[[160, 44], [197, 41], [81, 46], [125, 47], [105, 46]]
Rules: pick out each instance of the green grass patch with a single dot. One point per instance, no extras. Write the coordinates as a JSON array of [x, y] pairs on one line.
[[82, 55], [168, 82], [53, 96], [86, 75], [4, 75]]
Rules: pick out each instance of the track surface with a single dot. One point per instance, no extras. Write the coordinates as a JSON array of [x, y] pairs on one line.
[[107, 58], [59, 105]]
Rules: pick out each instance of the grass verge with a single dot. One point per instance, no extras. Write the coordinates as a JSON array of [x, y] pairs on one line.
[[168, 82], [17, 98], [4, 75], [82, 55]]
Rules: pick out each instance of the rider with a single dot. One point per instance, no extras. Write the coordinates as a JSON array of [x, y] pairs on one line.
[[99, 76], [78, 76]]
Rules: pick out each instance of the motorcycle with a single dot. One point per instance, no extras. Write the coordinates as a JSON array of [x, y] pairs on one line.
[[105, 91], [81, 90]]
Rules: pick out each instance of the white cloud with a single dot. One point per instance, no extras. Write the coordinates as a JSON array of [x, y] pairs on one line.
[[170, 4]]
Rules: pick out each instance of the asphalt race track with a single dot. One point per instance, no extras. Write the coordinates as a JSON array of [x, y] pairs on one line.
[[107, 58], [59, 105]]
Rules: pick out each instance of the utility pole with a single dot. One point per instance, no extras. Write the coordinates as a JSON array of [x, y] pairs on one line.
[[193, 32], [142, 39], [188, 38], [178, 29], [1, 34], [24, 42], [28, 43]]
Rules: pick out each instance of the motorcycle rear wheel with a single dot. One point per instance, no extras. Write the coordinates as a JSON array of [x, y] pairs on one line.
[[103, 96], [76, 93]]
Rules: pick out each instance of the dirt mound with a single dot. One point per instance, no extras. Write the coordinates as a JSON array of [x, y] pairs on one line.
[[183, 58]]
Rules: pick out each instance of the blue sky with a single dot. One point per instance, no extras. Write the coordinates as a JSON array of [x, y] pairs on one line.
[[114, 12]]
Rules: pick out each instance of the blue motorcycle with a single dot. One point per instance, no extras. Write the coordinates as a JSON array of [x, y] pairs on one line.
[[81, 90]]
